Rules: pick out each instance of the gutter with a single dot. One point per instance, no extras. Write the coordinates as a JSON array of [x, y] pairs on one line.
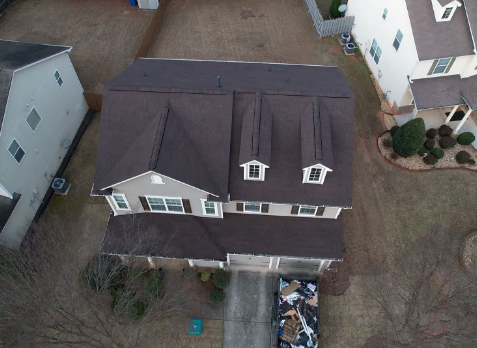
[[470, 28]]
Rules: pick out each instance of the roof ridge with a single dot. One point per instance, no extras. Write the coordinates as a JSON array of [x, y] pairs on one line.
[[256, 125], [161, 127]]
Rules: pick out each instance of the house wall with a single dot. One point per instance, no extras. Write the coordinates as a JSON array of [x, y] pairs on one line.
[[282, 210], [394, 66], [62, 110], [142, 186], [458, 68], [3, 192]]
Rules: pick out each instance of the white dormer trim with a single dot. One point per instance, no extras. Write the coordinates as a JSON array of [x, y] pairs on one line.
[[247, 172], [445, 13], [308, 171]]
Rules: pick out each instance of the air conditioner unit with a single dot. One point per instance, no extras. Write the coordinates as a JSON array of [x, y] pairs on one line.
[[349, 48], [345, 38], [60, 186]]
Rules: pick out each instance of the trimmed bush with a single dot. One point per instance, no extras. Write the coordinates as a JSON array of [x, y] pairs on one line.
[[409, 138], [136, 310], [155, 284], [445, 130], [393, 130], [429, 143], [334, 8], [447, 142], [466, 138], [462, 157], [431, 133], [205, 276], [394, 156], [422, 151], [221, 278], [388, 143], [471, 162], [438, 153], [430, 160], [217, 295]]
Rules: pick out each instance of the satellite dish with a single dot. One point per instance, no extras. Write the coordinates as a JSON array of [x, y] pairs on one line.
[[342, 8]]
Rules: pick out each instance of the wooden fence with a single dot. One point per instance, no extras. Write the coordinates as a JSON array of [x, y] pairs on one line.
[[152, 30], [328, 27]]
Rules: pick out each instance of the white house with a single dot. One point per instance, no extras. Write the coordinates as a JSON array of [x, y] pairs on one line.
[[423, 54], [41, 108]]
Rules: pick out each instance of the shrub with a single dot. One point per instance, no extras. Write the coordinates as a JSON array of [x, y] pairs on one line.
[[394, 156], [466, 138], [393, 130], [430, 159], [462, 157], [221, 278], [447, 142], [136, 310], [217, 295], [409, 138], [388, 143], [155, 284], [431, 133], [205, 276], [334, 8], [423, 151], [429, 143], [438, 153], [471, 162], [445, 130], [99, 273]]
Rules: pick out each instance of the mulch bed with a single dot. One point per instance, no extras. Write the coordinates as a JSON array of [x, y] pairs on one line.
[[336, 281]]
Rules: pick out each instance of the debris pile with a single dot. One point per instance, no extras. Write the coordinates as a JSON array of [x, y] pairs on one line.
[[298, 314]]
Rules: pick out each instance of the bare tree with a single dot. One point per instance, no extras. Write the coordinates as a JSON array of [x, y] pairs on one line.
[[50, 296], [427, 299]]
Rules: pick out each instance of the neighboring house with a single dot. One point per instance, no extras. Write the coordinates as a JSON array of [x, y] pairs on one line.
[[423, 52], [249, 169], [41, 108]]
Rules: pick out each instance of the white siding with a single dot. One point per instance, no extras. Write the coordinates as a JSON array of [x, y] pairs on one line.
[[458, 68], [61, 111], [282, 210], [142, 186]]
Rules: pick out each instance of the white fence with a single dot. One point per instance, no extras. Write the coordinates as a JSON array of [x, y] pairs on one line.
[[328, 27]]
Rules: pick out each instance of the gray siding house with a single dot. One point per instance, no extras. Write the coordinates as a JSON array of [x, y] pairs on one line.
[[41, 109], [226, 163]]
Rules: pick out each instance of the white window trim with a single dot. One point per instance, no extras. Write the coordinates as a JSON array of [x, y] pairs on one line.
[[307, 171], [167, 209], [252, 212], [116, 203], [445, 68], [60, 78], [14, 139], [375, 52], [33, 108], [246, 170], [157, 182], [311, 206], [202, 201]]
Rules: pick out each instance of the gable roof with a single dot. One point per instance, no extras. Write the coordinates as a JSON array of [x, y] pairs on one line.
[[15, 55], [439, 39]]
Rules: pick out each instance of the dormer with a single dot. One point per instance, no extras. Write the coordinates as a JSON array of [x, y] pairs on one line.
[[256, 139], [444, 9], [316, 152]]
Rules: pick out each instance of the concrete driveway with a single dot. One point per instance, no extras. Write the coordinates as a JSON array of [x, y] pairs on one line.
[[248, 310]]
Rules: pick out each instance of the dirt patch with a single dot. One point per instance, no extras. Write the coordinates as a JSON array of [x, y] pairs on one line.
[[469, 252], [335, 281]]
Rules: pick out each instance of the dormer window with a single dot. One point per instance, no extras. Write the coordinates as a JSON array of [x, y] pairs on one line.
[[254, 171], [315, 174], [444, 9], [447, 12]]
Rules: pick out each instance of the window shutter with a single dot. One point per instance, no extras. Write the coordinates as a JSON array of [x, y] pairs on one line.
[[264, 208], [187, 208], [239, 206], [144, 204], [294, 210], [433, 67], [449, 66], [320, 211]]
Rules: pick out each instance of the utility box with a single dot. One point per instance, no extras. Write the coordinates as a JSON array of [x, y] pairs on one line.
[[195, 326], [60, 186]]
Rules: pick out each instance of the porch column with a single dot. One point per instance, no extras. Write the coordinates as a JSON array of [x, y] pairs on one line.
[[278, 263], [414, 113], [191, 263], [221, 264], [461, 123], [454, 109], [151, 262]]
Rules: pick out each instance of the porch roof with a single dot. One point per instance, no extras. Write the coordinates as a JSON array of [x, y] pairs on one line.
[[438, 92]]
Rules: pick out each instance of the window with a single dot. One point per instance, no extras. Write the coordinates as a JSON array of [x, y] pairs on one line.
[[209, 208], [447, 12], [252, 207], [375, 51], [441, 65], [397, 40], [58, 78], [121, 202], [254, 171], [156, 179], [165, 204], [307, 210], [16, 151], [315, 174], [385, 13], [33, 120]]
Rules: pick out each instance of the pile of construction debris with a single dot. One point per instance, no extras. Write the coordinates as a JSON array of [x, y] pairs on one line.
[[298, 314]]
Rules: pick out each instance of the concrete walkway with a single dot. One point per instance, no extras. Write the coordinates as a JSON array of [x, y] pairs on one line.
[[248, 310]]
